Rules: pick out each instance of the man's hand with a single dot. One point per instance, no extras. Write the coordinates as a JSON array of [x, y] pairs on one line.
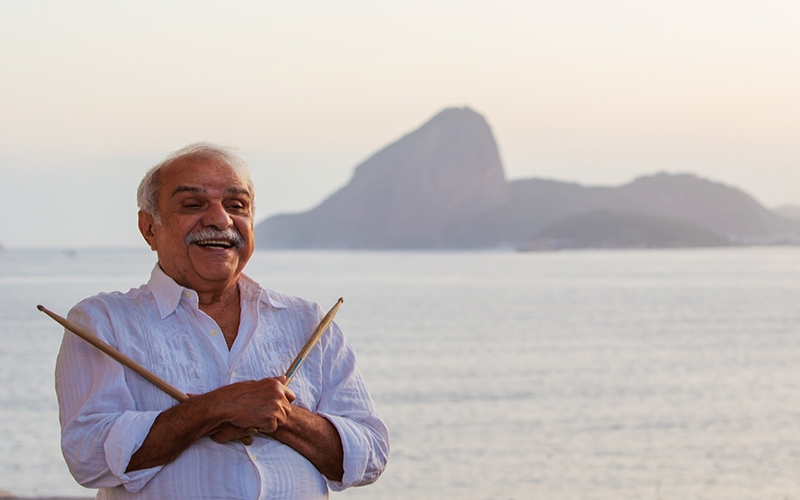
[[262, 404], [266, 402]]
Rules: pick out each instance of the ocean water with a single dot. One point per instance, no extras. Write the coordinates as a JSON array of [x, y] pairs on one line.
[[641, 374]]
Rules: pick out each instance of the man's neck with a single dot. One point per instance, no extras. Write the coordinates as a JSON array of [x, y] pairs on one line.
[[225, 309], [219, 296]]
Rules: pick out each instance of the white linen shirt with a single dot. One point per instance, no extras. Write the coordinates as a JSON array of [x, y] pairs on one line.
[[106, 410]]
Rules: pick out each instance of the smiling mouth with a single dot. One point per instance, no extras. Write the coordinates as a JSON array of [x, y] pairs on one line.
[[214, 238], [215, 244]]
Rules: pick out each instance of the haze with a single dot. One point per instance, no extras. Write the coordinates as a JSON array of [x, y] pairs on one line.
[[94, 93]]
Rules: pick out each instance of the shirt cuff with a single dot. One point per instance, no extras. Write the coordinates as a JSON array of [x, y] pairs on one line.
[[357, 450], [126, 436]]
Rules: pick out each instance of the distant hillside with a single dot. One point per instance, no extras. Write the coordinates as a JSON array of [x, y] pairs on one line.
[[790, 211], [607, 229], [536, 203], [443, 186]]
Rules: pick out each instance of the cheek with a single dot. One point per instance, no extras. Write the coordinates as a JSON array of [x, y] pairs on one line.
[[174, 239], [245, 228]]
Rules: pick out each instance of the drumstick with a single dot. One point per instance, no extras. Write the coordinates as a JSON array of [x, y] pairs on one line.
[[312, 341]]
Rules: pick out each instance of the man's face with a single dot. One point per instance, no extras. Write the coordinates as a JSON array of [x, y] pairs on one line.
[[204, 206]]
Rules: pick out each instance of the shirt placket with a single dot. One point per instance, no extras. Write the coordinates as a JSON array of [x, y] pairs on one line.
[[206, 328]]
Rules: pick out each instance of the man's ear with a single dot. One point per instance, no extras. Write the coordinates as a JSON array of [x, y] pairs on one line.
[[146, 227]]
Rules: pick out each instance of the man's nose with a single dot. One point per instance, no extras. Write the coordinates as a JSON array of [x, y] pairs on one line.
[[216, 216]]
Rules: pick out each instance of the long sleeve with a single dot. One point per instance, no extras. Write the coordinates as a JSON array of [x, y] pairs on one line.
[[347, 404], [101, 428]]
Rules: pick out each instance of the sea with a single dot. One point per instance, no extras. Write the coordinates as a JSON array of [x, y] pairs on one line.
[[597, 374]]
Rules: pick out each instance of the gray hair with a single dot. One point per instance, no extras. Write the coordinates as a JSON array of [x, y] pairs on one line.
[[147, 194]]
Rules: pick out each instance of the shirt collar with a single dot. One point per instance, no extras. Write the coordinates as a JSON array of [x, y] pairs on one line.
[[168, 294], [250, 289]]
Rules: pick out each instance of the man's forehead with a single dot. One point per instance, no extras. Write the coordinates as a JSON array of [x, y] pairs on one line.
[[202, 189], [197, 175]]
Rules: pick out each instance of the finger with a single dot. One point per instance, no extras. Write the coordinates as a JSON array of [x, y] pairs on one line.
[[290, 395], [230, 432], [223, 436]]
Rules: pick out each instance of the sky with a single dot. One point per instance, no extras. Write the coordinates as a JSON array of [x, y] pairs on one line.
[[93, 93]]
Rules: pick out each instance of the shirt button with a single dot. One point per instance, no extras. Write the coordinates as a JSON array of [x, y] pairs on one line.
[[188, 295], [253, 457], [213, 333]]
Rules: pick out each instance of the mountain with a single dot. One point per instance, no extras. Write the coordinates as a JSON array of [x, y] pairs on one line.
[[443, 186], [407, 194], [608, 229]]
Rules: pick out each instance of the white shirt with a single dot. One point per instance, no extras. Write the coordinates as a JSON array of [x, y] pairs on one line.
[[107, 410]]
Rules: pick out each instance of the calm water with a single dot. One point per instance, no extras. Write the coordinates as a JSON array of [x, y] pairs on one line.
[[570, 375]]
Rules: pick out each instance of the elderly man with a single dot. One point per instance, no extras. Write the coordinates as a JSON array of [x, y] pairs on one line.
[[214, 333]]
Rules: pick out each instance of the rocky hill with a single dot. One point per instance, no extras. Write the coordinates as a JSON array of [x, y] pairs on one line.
[[443, 186], [407, 194]]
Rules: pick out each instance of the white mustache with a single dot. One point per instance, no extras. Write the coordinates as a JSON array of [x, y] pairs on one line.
[[230, 235]]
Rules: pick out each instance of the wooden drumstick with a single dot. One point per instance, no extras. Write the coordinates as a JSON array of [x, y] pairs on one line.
[[312, 341]]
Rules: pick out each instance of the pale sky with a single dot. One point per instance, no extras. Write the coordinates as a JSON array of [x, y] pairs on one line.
[[592, 91]]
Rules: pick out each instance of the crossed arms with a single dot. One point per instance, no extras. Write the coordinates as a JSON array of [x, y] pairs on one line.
[[227, 413]]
